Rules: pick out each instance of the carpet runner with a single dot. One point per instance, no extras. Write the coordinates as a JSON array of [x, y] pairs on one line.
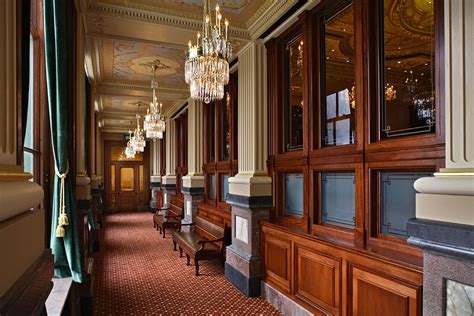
[[138, 273]]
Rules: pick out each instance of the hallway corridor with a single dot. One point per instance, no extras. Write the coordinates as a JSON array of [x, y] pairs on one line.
[[138, 273]]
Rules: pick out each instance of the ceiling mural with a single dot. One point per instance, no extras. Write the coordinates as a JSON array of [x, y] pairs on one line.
[[123, 37], [130, 62]]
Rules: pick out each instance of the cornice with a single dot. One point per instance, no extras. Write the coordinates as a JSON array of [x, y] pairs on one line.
[[159, 18], [145, 86], [266, 19]]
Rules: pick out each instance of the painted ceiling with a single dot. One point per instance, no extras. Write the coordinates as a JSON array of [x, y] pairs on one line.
[[122, 38]]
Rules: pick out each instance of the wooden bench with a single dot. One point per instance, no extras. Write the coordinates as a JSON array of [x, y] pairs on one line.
[[171, 220], [204, 241]]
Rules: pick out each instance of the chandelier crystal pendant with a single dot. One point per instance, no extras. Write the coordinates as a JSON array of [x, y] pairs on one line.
[[154, 123], [138, 139], [207, 62]]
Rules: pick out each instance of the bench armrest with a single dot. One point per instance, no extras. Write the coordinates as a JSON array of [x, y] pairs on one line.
[[172, 216], [205, 241], [179, 225]]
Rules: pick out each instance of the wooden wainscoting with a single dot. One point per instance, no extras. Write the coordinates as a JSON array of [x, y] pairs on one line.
[[336, 279]]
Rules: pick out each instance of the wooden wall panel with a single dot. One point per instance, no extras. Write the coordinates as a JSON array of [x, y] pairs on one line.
[[329, 278], [376, 295], [277, 256], [317, 279]]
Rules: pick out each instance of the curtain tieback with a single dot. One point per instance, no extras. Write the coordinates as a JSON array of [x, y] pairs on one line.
[[62, 219]]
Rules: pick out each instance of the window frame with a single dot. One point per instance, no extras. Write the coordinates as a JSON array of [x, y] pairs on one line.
[[214, 163], [420, 153]]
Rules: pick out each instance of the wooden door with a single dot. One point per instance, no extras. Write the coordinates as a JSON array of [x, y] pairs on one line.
[[126, 180]]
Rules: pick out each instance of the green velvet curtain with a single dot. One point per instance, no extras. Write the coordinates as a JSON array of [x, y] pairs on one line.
[[58, 31], [25, 62]]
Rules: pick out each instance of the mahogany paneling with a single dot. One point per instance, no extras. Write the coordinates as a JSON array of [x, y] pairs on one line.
[[214, 215], [370, 154], [336, 277], [181, 151], [326, 291], [375, 295], [277, 258]]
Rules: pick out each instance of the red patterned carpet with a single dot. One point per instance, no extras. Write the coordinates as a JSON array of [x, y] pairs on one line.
[[138, 273]]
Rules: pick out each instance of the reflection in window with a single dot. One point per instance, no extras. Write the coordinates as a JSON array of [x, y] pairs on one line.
[[293, 188], [338, 66], [408, 94], [225, 186], [294, 92], [212, 186], [225, 137], [338, 198], [212, 131], [28, 162], [397, 204]]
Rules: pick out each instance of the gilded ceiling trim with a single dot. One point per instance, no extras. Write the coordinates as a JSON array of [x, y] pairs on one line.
[[157, 18]]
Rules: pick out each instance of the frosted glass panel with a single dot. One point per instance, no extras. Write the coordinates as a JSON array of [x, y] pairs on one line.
[[294, 194], [338, 198], [398, 201], [225, 186], [28, 160], [212, 186], [127, 179]]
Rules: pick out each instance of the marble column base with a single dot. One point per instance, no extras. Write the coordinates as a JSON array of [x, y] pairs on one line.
[[244, 272], [448, 266], [192, 197]]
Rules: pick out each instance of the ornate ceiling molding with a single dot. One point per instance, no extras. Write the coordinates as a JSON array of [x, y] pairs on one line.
[[165, 19], [260, 23]]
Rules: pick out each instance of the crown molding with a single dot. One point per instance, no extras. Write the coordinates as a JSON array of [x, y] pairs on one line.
[[159, 18], [266, 19]]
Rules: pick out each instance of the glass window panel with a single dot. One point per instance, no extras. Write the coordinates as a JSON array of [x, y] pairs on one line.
[[112, 177], [338, 198], [127, 179], [293, 194], [294, 93], [397, 201], [212, 186], [29, 133], [225, 186], [338, 78], [28, 162], [343, 133], [331, 106], [225, 137], [211, 136], [408, 93]]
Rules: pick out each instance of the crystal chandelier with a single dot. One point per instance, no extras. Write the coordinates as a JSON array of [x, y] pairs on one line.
[[129, 151], [207, 62], [138, 139], [154, 123]]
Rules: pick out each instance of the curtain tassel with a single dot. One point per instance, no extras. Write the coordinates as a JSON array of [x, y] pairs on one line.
[[63, 220]]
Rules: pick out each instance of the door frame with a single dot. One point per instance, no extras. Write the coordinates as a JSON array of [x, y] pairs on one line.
[[141, 196]]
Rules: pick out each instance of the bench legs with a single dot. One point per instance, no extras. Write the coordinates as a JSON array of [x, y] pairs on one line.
[[188, 259], [196, 264], [180, 252], [174, 245]]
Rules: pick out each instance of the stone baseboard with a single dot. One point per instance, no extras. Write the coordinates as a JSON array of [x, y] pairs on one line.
[[283, 303]]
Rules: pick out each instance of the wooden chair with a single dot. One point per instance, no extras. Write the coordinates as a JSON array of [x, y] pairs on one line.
[[204, 241]]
